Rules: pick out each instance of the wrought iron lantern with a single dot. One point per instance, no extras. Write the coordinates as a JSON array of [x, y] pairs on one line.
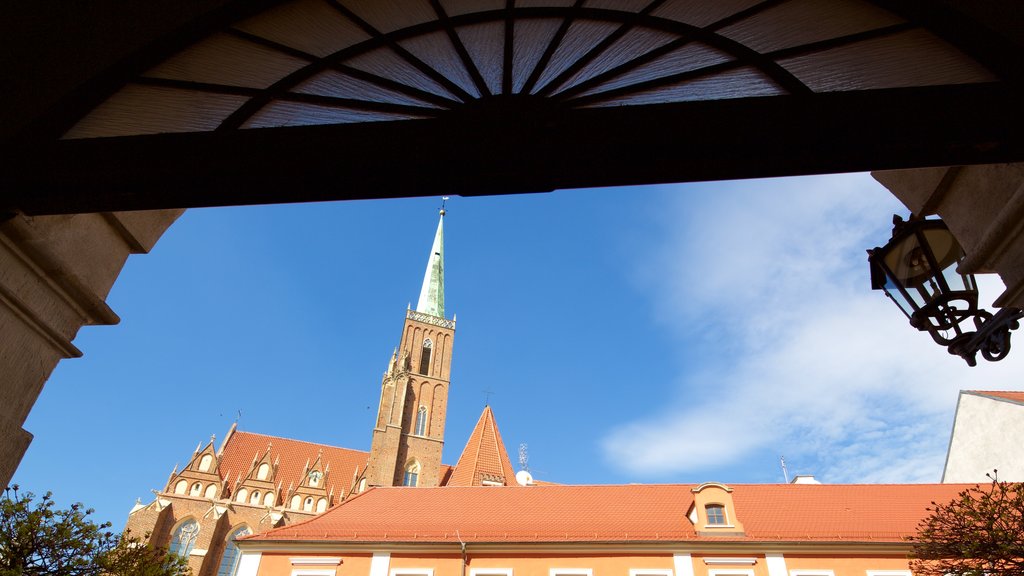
[[918, 270]]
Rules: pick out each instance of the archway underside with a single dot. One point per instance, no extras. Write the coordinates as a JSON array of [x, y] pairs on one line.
[[330, 99]]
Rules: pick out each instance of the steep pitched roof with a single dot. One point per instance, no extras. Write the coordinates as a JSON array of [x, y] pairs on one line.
[[1011, 395], [624, 513], [484, 458], [292, 457]]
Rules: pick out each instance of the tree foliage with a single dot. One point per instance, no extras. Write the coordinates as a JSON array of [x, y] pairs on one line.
[[39, 539], [981, 531]]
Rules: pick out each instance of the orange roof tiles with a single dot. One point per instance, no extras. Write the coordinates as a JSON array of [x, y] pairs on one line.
[[294, 455], [484, 458], [1014, 396], [630, 513]]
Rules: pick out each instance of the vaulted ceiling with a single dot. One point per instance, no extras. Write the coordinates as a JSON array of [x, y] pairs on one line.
[[323, 99]]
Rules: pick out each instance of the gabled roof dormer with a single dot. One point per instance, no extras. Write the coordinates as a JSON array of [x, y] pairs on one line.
[[713, 512], [200, 477], [315, 491], [257, 487]]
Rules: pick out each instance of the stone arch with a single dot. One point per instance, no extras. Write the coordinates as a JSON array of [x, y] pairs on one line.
[[43, 338]]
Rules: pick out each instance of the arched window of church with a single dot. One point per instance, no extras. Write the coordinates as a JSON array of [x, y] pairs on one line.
[[425, 357], [412, 474], [229, 562], [421, 421], [362, 485], [242, 496], [184, 538], [263, 471], [255, 498], [197, 489], [211, 491], [205, 462], [181, 487], [268, 499], [321, 505], [296, 502], [308, 504]]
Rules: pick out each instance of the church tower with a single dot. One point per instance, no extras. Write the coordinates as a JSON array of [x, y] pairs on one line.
[[409, 432]]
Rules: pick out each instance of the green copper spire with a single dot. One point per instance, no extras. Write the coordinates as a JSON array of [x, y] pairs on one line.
[[432, 294]]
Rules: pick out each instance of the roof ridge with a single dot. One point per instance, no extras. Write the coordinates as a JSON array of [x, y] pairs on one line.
[[237, 432]]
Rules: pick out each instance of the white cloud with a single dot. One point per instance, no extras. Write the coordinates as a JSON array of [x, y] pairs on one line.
[[810, 363]]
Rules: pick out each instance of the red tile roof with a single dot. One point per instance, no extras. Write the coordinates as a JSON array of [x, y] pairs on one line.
[[484, 458], [241, 447], [1014, 396], [629, 513]]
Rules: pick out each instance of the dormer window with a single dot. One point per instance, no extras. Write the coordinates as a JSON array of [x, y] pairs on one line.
[[425, 357], [715, 514]]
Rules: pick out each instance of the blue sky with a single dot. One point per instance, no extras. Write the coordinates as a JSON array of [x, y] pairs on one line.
[[679, 333]]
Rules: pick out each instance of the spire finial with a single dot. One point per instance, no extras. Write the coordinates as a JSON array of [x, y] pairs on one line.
[[444, 200]]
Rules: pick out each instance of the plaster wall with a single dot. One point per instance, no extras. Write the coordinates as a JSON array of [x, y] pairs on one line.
[[988, 434]]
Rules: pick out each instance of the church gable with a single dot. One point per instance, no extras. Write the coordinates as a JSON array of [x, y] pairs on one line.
[[257, 487], [293, 468], [200, 477]]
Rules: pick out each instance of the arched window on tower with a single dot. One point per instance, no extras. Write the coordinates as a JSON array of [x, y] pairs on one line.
[[412, 474], [205, 462], [425, 357], [229, 562], [421, 422], [184, 538]]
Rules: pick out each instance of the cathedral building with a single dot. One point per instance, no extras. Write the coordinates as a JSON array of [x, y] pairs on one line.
[[252, 482], [259, 505]]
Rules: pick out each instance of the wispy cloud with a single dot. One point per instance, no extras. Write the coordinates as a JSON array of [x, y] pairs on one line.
[[800, 357]]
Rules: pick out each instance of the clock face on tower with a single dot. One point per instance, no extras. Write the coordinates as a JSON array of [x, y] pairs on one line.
[[314, 477]]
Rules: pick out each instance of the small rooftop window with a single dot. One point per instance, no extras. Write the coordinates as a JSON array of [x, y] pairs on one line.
[[715, 514]]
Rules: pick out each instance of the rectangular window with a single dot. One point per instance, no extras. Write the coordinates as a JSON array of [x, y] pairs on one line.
[[650, 572], [811, 573], [571, 572], [716, 514], [730, 572], [888, 573], [490, 572], [412, 572]]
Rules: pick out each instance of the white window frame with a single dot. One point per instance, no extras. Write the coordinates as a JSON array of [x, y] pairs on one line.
[[571, 572], [730, 572], [650, 572], [806, 572], [412, 572], [490, 572]]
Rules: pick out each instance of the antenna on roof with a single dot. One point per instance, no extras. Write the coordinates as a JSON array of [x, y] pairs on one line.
[[523, 477], [785, 473]]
